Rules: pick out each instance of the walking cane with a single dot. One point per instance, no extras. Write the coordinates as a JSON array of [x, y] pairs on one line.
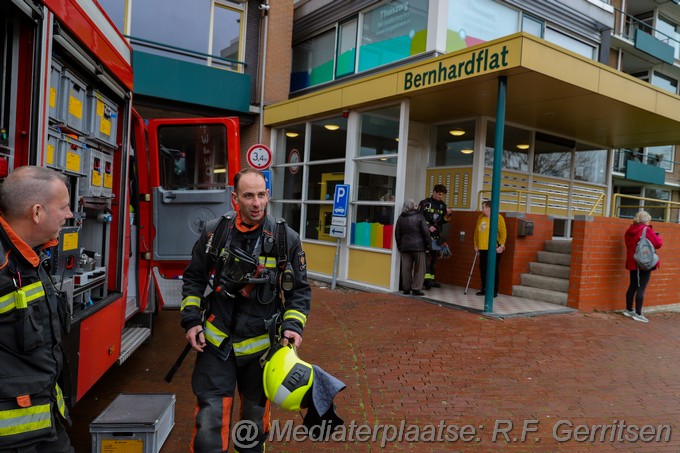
[[471, 270]]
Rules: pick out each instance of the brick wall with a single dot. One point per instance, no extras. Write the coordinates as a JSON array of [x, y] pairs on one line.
[[598, 278], [520, 251]]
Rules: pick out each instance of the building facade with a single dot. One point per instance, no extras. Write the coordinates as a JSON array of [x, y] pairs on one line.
[[393, 97]]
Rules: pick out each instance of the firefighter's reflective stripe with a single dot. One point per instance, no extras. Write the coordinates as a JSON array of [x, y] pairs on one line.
[[21, 297], [268, 262], [429, 276], [190, 301], [296, 315], [24, 420], [213, 334], [252, 345], [61, 404]]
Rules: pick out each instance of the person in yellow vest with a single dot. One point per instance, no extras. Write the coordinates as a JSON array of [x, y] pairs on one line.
[[481, 242]]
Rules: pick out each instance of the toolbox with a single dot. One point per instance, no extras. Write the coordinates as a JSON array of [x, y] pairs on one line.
[[134, 423]]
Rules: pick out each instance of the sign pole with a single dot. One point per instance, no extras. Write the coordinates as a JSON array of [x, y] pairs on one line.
[[335, 265]]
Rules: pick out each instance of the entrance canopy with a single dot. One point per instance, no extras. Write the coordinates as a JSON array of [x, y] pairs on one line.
[[549, 88]]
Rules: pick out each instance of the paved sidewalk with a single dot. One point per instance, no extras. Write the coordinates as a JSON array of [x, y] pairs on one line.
[[441, 371]]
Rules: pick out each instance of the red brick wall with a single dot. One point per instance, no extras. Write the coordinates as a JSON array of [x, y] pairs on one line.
[[519, 252], [598, 276], [598, 279]]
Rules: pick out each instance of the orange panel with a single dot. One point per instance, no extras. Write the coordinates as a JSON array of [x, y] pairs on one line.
[[100, 337]]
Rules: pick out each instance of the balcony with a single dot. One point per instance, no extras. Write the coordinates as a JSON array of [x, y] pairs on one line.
[[640, 167], [182, 75], [640, 39]]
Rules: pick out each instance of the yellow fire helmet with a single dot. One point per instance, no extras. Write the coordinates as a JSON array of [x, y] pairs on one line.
[[287, 378]]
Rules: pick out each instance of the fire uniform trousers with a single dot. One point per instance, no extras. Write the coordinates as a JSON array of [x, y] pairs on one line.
[[434, 212], [236, 335], [32, 408]]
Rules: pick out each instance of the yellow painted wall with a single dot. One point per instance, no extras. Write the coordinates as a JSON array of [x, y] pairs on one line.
[[369, 267], [319, 257]]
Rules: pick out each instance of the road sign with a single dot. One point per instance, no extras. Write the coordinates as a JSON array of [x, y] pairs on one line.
[[268, 180], [341, 201], [259, 157], [339, 221], [338, 231]]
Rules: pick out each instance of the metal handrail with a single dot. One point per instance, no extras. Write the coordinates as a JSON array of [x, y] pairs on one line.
[[519, 192], [635, 23], [664, 204], [601, 198], [181, 51]]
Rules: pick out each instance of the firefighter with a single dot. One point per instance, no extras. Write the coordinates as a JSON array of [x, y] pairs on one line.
[[260, 277], [35, 205], [436, 214]]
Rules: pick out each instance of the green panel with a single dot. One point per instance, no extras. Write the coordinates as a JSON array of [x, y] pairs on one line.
[[322, 73], [649, 44], [650, 174], [346, 63], [176, 80], [383, 52]]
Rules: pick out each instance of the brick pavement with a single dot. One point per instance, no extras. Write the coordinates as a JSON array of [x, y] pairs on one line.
[[408, 360]]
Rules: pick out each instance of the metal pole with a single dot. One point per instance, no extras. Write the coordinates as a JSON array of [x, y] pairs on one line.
[[335, 265], [495, 195]]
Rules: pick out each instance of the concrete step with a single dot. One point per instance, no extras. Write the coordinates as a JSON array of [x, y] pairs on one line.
[[545, 295], [543, 282], [554, 258], [550, 270], [558, 246]]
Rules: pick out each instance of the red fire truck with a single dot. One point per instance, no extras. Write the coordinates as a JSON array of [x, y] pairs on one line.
[[141, 190]]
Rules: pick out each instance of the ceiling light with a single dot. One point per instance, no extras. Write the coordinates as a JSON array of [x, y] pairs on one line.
[[522, 146], [292, 134], [467, 151], [332, 127], [457, 132]]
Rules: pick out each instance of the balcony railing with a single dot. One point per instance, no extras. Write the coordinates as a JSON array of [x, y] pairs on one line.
[[183, 54], [627, 27]]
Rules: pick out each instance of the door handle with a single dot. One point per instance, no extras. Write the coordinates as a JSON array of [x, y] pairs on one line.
[[167, 196]]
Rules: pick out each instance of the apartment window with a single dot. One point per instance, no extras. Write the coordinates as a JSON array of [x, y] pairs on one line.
[[347, 48], [532, 25], [207, 28], [570, 43], [661, 156], [669, 32], [311, 163], [665, 82], [590, 164], [552, 156], [516, 146], [313, 61], [472, 22], [393, 31], [376, 178], [454, 144]]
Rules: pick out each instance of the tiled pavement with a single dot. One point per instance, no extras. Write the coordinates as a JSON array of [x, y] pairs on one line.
[[437, 369]]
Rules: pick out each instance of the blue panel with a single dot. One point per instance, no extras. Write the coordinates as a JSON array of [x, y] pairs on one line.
[[651, 45], [176, 80], [650, 174]]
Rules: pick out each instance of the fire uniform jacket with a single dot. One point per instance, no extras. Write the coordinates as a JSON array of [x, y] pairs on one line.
[[240, 322], [31, 358], [434, 212]]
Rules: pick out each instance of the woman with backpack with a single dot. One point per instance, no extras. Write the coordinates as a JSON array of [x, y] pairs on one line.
[[639, 273]]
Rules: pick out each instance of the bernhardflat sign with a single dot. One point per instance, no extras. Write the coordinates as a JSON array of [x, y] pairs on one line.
[[480, 61]]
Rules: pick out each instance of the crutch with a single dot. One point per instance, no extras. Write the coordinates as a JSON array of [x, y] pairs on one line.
[[471, 270]]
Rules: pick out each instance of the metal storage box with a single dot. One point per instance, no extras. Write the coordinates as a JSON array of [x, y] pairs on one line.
[[72, 107], [55, 91], [91, 185], [107, 181], [134, 423], [54, 148], [103, 116], [72, 154]]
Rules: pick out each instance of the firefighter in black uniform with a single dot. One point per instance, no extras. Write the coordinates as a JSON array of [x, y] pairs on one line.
[[436, 214], [35, 205], [259, 289]]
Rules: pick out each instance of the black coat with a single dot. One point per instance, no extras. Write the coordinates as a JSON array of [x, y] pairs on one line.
[[412, 232]]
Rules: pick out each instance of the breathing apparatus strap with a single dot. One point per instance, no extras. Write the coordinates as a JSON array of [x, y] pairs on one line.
[[282, 243]]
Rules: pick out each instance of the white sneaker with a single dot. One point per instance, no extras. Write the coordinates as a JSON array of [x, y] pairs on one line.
[[640, 318], [628, 313]]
